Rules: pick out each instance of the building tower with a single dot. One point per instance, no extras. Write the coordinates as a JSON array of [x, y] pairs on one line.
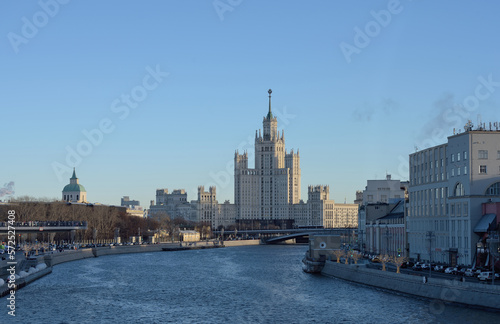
[[74, 192], [267, 192]]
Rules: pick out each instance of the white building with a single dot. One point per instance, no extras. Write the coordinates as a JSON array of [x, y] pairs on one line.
[[269, 193], [448, 185], [174, 205], [266, 196]]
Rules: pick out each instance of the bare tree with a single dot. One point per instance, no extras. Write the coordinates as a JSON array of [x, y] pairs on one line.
[[339, 254], [398, 262], [384, 259]]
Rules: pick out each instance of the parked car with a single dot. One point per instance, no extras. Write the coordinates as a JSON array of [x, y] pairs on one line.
[[450, 270], [469, 273], [407, 264], [417, 267], [477, 272], [484, 276], [438, 268]]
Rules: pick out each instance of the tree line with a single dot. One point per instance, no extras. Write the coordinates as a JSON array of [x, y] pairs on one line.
[[102, 221]]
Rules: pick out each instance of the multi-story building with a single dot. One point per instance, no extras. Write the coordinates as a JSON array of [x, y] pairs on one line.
[[133, 207], [173, 205], [270, 192], [266, 195], [126, 202], [206, 207], [385, 230], [266, 192], [377, 199], [449, 183]]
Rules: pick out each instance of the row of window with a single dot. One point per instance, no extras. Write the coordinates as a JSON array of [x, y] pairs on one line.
[[483, 169], [483, 155], [70, 197]]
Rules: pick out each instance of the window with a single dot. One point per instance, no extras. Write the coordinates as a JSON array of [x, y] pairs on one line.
[[493, 190], [458, 171], [465, 170], [482, 169], [459, 190], [498, 155], [483, 154], [453, 158], [458, 157], [466, 210], [465, 155], [452, 172]]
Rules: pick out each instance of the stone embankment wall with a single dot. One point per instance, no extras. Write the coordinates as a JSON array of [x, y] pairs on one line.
[[447, 291]]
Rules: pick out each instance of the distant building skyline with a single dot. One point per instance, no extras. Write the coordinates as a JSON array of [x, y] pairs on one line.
[[134, 106], [266, 195]]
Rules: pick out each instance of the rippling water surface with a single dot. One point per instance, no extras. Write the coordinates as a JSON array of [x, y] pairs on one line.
[[253, 284]]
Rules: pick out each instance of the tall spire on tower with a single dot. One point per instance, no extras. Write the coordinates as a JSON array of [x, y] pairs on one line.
[[269, 114]]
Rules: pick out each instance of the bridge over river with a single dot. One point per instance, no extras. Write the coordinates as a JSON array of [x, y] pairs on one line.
[[281, 235], [46, 226]]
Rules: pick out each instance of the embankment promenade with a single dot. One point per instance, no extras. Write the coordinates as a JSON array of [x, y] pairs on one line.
[[439, 291], [56, 258]]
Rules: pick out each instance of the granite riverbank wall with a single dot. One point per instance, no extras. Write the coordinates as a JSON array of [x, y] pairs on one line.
[[440, 291]]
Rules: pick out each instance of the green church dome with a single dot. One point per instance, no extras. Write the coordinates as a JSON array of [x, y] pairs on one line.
[[74, 187]]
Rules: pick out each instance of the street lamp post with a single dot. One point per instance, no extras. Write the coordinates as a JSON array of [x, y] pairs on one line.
[[494, 249], [430, 235], [387, 236], [360, 240]]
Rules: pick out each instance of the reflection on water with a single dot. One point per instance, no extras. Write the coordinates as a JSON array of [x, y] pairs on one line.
[[254, 284]]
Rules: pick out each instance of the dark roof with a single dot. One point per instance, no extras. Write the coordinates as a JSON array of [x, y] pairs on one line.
[[396, 212]]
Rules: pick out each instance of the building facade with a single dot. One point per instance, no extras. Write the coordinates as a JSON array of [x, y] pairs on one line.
[[267, 191], [377, 199], [270, 192], [449, 184], [386, 234], [266, 195], [173, 205]]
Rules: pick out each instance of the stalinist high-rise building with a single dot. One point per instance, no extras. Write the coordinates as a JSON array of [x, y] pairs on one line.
[[267, 194], [267, 191]]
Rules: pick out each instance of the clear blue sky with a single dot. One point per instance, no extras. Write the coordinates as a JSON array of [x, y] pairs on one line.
[[357, 102]]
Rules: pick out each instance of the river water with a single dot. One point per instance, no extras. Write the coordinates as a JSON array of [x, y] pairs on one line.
[[251, 284]]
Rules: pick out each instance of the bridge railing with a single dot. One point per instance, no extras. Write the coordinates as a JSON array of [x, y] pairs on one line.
[[45, 224]]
